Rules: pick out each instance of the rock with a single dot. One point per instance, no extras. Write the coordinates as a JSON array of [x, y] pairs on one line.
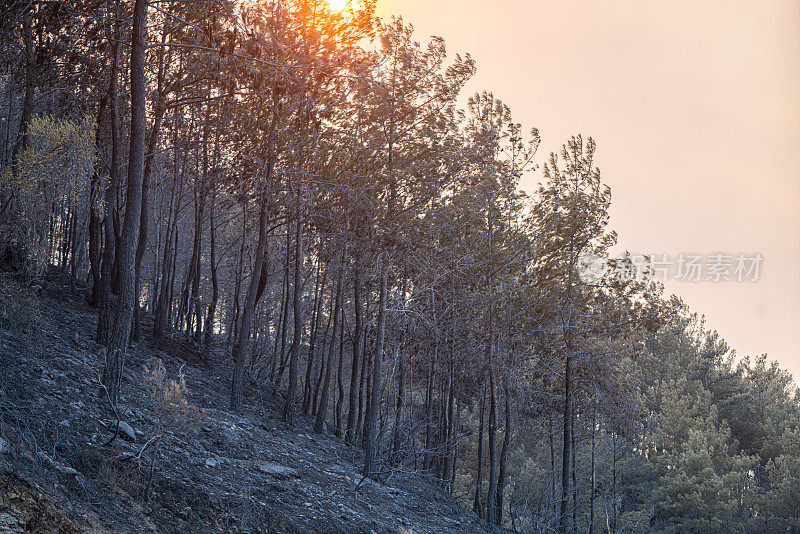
[[65, 470], [278, 471], [227, 438], [212, 462], [44, 458], [4, 446], [126, 432]]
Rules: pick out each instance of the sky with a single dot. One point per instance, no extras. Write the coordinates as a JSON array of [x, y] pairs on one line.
[[695, 108]]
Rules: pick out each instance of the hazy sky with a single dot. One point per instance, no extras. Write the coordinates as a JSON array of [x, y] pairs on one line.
[[695, 107]]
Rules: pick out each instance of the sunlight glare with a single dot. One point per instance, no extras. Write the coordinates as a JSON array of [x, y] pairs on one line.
[[339, 5]]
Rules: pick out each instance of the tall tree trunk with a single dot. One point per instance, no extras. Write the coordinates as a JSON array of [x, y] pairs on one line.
[[477, 505], [115, 360], [322, 364], [237, 286], [294, 361], [427, 460], [594, 482], [398, 410], [574, 475], [212, 307], [501, 477], [23, 139], [566, 452], [95, 222], [363, 385], [350, 432], [340, 376], [491, 498], [322, 409], [316, 307], [553, 476], [243, 348], [163, 304], [371, 430], [613, 481], [108, 260], [144, 215]]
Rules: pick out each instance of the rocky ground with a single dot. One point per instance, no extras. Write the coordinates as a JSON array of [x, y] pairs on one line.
[[214, 471]]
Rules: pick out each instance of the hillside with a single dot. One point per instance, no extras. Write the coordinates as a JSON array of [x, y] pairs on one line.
[[221, 473]]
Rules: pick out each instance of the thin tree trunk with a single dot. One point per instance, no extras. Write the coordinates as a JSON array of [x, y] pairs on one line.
[[212, 307], [95, 222], [371, 429], [491, 498], [363, 385], [163, 305], [144, 215], [319, 292], [594, 482], [398, 410], [322, 409], [294, 361], [23, 138], [350, 432], [553, 476], [340, 376], [477, 505], [565, 455], [243, 348], [234, 324], [501, 477], [574, 476], [613, 481]]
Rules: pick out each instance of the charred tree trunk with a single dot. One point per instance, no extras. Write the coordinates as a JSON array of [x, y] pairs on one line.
[[491, 498], [553, 476], [322, 409], [212, 307], [593, 481], [95, 222], [23, 139], [371, 429], [319, 292], [144, 215], [340, 375], [164, 300], [501, 477], [477, 505], [115, 359], [399, 405], [243, 348], [566, 451], [350, 432], [294, 360], [108, 260]]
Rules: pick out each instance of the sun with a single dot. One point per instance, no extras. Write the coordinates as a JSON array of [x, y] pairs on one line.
[[340, 5]]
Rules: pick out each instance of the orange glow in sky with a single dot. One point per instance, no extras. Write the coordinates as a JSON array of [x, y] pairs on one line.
[[695, 107]]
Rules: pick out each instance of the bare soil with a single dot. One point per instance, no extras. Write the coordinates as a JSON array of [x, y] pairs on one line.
[[226, 472]]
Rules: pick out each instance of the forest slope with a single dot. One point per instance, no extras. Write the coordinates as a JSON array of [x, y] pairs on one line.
[[223, 472]]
